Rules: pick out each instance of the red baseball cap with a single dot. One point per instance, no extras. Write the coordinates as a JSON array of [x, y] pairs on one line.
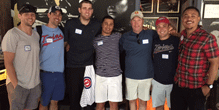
[[162, 20]]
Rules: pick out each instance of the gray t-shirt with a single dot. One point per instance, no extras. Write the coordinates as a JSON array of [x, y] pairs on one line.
[[107, 55], [26, 60]]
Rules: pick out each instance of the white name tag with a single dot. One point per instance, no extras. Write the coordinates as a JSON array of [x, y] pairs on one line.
[[27, 48], [49, 40], [165, 56], [145, 41], [100, 43], [182, 37], [78, 31]]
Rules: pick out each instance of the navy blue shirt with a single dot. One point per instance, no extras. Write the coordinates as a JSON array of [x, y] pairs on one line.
[[138, 57], [165, 59], [80, 38]]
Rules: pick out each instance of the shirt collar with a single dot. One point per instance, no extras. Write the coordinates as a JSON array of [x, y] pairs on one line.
[[184, 33]]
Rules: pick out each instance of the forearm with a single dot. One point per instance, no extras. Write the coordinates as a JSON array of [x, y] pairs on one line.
[[11, 74], [212, 71], [8, 61]]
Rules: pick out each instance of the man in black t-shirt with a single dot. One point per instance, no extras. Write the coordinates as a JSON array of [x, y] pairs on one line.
[[165, 62], [79, 35]]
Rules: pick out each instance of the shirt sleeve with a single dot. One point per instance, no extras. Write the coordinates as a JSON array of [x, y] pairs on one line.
[[211, 47], [9, 42]]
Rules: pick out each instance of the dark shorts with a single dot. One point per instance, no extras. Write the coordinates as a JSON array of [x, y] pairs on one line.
[[21, 98], [53, 87], [184, 98]]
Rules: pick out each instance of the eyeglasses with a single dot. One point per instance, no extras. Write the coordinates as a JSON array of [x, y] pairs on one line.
[[138, 40]]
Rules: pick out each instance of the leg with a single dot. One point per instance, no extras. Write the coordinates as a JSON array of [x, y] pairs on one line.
[[196, 99], [158, 94], [132, 105], [179, 98], [142, 104], [113, 105], [160, 107], [100, 106], [33, 97], [53, 105], [41, 107], [75, 86]]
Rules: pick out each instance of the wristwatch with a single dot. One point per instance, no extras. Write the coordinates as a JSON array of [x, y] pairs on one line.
[[209, 85]]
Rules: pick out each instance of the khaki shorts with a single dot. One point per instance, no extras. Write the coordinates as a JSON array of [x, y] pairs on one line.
[[108, 89], [21, 98], [138, 89]]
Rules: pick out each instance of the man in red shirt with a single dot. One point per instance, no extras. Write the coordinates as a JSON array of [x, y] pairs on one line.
[[197, 67]]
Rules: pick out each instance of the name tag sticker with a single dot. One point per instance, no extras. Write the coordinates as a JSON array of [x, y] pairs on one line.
[[165, 56], [49, 40], [27, 48], [100, 43], [78, 31], [145, 41]]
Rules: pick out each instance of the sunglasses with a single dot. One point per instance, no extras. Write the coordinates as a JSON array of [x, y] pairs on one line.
[[138, 40], [27, 8]]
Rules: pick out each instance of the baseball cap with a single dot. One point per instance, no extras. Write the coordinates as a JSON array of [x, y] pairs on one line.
[[54, 9], [136, 13], [162, 20], [27, 8]]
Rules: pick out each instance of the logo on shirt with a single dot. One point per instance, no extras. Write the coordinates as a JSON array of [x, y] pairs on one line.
[[163, 48], [53, 38], [87, 82]]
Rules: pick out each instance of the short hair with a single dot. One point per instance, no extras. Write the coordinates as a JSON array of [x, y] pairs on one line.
[[192, 7], [85, 1], [108, 17]]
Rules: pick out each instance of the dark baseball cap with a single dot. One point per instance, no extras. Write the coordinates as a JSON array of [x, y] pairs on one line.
[[54, 9], [27, 8]]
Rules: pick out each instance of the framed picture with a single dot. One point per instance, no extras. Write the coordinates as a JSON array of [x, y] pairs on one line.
[[146, 6], [149, 22], [168, 6]]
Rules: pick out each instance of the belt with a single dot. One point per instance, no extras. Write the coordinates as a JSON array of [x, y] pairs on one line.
[[42, 71]]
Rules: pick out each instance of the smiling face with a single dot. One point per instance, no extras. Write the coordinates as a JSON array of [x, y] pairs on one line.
[[190, 19], [55, 17], [86, 11], [107, 27], [27, 18], [118, 8], [137, 24], [163, 30]]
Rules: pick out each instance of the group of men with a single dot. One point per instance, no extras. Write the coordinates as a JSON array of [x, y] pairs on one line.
[[187, 66]]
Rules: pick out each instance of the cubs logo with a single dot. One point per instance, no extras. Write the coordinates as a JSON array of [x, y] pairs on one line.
[[87, 82], [136, 12]]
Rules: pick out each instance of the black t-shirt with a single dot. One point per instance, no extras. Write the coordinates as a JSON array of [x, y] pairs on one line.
[[80, 38], [165, 59]]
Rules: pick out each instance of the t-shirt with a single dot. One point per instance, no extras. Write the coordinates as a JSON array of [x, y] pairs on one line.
[[165, 59], [80, 38], [52, 49], [138, 57], [107, 55], [26, 59]]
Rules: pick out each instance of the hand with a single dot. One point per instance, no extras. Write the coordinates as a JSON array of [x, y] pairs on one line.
[[205, 90], [67, 47], [145, 28]]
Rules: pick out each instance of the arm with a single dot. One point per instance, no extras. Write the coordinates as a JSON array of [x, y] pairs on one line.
[[212, 74], [8, 61], [67, 46]]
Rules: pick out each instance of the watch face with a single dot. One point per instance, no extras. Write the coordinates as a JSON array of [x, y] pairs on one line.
[[210, 86]]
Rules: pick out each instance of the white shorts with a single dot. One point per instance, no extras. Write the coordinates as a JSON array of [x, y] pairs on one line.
[[159, 92], [108, 89], [138, 89]]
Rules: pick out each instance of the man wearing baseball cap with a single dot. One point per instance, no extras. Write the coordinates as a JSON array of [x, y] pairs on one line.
[[165, 52], [52, 60], [137, 46], [20, 46]]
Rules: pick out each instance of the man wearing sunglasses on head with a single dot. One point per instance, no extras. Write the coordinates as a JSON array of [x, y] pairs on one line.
[[137, 45], [21, 57]]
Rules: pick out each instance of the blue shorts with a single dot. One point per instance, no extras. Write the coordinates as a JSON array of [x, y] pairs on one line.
[[53, 87]]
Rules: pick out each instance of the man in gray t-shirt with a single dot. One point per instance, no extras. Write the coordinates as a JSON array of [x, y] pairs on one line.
[[108, 73], [20, 46]]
